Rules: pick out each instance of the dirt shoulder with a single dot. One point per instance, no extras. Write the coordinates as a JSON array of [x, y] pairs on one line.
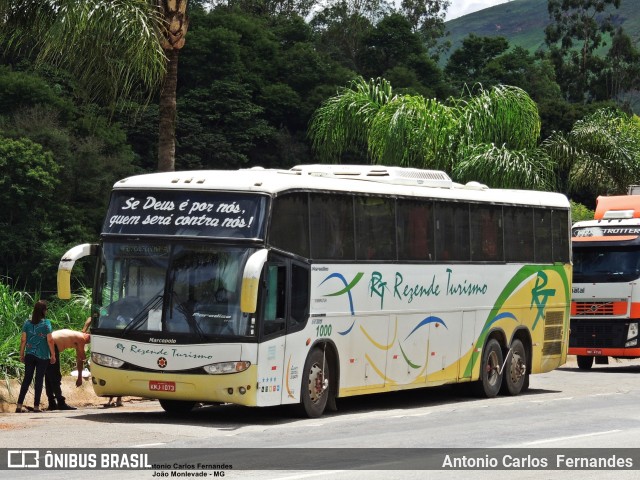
[[82, 396]]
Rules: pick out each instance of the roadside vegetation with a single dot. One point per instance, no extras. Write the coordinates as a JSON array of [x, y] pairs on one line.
[[16, 307]]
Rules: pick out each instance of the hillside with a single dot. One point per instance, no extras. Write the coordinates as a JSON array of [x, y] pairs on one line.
[[522, 22]]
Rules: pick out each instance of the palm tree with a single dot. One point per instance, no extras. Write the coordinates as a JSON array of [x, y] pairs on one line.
[[601, 153], [115, 49], [490, 136], [345, 119]]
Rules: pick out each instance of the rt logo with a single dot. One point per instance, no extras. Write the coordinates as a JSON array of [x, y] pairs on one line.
[[23, 459]]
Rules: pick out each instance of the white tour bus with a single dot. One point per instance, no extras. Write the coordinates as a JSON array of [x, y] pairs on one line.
[[267, 287]]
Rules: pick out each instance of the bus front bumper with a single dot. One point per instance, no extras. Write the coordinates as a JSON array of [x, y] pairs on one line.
[[239, 388]]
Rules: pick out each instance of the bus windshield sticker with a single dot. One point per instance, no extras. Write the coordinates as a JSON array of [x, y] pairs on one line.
[[186, 213]]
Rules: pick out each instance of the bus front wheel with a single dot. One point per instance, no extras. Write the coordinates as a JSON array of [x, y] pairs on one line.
[[315, 384], [515, 370], [584, 362], [488, 385], [177, 407]]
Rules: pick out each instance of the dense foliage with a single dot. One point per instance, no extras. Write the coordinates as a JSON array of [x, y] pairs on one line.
[[251, 77], [16, 307]]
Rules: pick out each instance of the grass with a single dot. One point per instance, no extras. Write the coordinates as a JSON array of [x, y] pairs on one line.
[[16, 307]]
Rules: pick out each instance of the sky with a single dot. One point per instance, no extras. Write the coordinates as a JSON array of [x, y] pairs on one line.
[[458, 8]]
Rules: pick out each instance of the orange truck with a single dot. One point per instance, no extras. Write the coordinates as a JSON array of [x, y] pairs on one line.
[[605, 306]]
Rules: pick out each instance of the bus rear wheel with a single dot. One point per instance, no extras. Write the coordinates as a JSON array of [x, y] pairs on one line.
[[315, 384], [515, 370], [488, 385], [177, 407], [584, 362]]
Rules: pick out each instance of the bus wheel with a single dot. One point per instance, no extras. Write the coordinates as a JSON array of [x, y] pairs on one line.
[[177, 407], [315, 384], [515, 370], [488, 385], [584, 362]]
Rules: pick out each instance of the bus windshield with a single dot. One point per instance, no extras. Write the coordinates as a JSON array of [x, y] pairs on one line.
[[178, 290], [602, 265]]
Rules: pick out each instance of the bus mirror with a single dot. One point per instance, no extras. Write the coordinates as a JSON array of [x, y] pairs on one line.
[[251, 281], [66, 265]]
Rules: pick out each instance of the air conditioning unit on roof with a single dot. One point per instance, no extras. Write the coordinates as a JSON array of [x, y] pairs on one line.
[[382, 174]]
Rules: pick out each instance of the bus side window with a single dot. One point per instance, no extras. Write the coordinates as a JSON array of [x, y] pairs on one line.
[[375, 228], [486, 233], [332, 227], [518, 234], [561, 244], [452, 232], [542, 232], [275, 294], [415, 230]]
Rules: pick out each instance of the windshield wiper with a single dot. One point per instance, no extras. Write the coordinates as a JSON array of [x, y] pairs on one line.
[[188, 315], [136, 321]]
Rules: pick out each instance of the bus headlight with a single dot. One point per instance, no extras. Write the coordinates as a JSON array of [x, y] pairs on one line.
[[226, 367], [633, 330], [106, 360]]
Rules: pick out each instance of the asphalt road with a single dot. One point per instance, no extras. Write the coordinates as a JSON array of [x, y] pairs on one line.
[[566, 408]]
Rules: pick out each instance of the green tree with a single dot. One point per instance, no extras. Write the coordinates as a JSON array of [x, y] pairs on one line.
[[341, 31], [600, 155], [28, 181], [577, 30], [300, 8], [580, 212], [393, 51], [622, 74], [389, 43], [222, 131], [467, 63], [113, 49], [427, 17], [534, 74], [490, 136], [274, 77], [88, 151]]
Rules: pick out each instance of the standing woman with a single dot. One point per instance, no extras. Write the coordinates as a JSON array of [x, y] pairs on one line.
[[36, 352]]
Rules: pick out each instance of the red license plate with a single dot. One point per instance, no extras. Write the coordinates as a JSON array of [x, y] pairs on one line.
[[157, 386], [594, 351]]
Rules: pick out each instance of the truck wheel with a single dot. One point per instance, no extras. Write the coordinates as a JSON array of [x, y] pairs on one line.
[[177, 407], [584, 362]]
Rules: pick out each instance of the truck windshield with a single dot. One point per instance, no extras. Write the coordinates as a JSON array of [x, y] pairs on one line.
[[181, 290], [605, 264]]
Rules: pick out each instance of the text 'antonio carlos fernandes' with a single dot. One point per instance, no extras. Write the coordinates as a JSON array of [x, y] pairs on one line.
[[533, 462]]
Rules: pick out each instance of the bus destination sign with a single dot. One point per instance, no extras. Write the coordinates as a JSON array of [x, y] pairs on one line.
[[185, 213]]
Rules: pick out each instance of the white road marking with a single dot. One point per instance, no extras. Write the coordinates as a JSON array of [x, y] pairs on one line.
[[412, 415], [572, 437]]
